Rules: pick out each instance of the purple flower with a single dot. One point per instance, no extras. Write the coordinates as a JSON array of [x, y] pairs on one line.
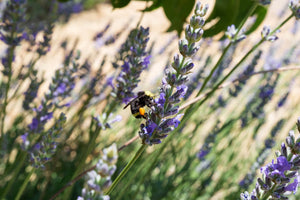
[[150, 128], [276, 170], [109, 82], [46, 117], [146, 62], [133, 59], [125, 67], [293, 187], [60, 89], [202, 154], [266, 34], [77, 8], [34, 124], [99, 179], [12, 27], [25, 141], [43, 142], [162, 118], [160, 102], [31, 93], [277, 180], [181, 90], [146, 132], [176, 120], [40, 152]]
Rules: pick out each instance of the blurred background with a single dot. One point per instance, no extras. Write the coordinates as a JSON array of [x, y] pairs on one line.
[[218, 153]]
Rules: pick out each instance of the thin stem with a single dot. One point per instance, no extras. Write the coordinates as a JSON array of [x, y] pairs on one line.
[[72, 182], [193, 108], [251, 10], [128, 142], [142, 16], [3, 114], [126, 169], [282, 23], [26, 76], [214, 69], [22, 188], [16, 171], [89, 169], [277, 70], [84, 154], [195, 100], [226, 49], [267, 194]]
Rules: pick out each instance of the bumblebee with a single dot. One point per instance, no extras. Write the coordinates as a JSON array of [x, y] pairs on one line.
[[144, 98]]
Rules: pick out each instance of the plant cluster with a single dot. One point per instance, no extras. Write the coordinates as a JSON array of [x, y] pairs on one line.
[[207, 130]]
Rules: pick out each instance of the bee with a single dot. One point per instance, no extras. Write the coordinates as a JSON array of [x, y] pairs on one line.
[[144, 98]]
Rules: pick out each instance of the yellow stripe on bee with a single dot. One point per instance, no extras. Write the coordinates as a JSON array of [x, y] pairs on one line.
[[135, 114], [148, 93]]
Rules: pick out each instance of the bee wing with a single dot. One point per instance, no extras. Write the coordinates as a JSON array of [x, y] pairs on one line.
[[130, 102]]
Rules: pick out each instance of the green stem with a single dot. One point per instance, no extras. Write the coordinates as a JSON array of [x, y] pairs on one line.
[[22, 188], [84, 154], [226, 49], [267, 194], [193, 108], [90, 148], [251, 10], [3, 114], [242, 60], [126, 169], [16, 171], [142, 15], [282, 23], [26, 76], [214, 69], [148, 172]]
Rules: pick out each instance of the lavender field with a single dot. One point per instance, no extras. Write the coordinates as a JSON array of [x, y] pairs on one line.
[[187, 100]]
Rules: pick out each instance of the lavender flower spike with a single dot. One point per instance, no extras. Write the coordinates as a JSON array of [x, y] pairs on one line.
[[39, 142], [281, 177], [99, 179], [163, 117], [133, 59]]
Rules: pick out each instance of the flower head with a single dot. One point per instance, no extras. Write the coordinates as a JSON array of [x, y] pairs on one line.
[[132, 59], [40, 142], [266, 34], [163, 116], [231, 34], [99, 179], [280, 177], [295, 8]]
